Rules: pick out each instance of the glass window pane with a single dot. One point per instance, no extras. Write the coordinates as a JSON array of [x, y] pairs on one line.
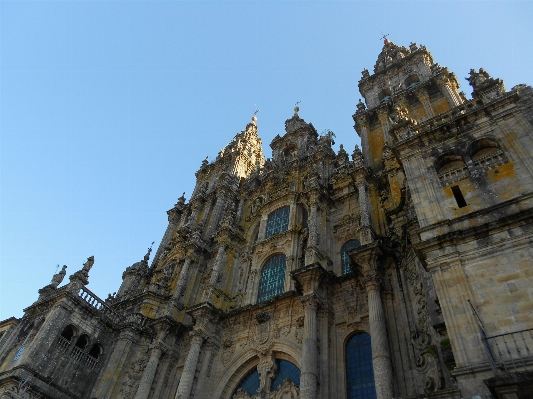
[[277, 222], [359, 370], [346, 261], [285, 370], [250, 383], [272, 278]]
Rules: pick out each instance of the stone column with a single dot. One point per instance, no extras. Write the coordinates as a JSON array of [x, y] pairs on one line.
[[309, 376], [444, 84], [219, 263], [109, 375], [313, 222], [217, 213], [149, 373], [191, 223], [205, 369], [182, 281], [385, 124], [205, 216], [381, 359], [423, 96], [364, 206], [187, 377]]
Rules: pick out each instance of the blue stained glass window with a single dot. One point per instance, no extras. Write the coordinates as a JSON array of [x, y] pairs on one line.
[[359, 370], [285, 370], [277, 222], [272, 278], [250, 383], [346, 261]]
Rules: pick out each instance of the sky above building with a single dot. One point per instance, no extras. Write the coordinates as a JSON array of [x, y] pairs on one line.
[[107, 109]]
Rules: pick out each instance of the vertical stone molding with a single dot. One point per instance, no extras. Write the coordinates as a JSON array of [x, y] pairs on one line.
[[219, 263], [149, 372], [309, 375], [187, 377]]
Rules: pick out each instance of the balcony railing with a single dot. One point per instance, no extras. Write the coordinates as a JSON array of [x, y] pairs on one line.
[[511, 352]]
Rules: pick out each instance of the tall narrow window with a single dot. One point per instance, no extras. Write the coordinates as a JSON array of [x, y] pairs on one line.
[[345, 259], [272, 278], [277, 222], [461, 202], [359, 370]]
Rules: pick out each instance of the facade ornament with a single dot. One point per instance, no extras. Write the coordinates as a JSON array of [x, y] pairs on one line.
[[58, 278]]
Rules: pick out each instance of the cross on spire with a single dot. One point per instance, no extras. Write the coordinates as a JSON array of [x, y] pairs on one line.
[[384, 37]]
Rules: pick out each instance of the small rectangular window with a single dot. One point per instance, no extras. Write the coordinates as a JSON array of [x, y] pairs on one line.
[[461, 202]]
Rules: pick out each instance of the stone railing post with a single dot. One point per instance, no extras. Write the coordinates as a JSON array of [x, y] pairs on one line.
[[187, 377], [149, 372], [309, 376]]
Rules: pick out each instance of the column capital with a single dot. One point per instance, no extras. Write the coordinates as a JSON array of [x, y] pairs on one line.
[[309, 302], [372, 282], [310, 277], [198, 336], [366, 257]]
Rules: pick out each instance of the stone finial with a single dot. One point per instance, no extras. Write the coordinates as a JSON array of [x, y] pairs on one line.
[[357, 156], [413, 46], [365, 73], [360, 105], [181, 200], [58, 278], [147, 256], [87, 265]]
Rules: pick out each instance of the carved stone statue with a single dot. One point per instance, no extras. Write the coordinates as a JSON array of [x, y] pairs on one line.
[[58, 278], [87, 265]]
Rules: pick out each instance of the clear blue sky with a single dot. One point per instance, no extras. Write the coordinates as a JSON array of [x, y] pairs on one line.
[[108, 108]]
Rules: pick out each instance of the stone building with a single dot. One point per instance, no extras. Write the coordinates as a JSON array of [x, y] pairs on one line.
[[405, 271]]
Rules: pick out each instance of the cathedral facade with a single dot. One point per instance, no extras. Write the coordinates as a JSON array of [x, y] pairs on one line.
[[402, 271]]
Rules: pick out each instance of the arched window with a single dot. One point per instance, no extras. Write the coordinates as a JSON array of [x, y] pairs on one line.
[[272, 278], [68, 332], [483, 147], [250, 383], [82, 341], [359, 370], [96, 351], [346, 261], [450, 161], [277, 222], [284, 370]]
